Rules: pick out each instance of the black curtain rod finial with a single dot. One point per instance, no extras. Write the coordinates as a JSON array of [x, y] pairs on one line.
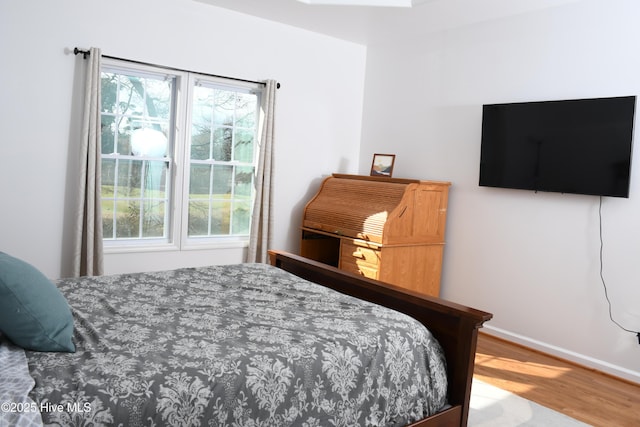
[[84, 53]]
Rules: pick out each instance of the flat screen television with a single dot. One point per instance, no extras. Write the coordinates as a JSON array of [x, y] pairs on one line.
[[580, 146]]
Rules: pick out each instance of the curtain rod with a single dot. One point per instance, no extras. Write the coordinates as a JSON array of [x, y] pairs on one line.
[[86, 53]]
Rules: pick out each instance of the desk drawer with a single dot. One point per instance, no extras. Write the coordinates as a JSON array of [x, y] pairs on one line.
[[360, 254], [359, 268], [359, 259]]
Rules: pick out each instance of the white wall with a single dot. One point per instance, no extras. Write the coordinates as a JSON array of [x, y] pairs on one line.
[[531, 259], [318, 117]]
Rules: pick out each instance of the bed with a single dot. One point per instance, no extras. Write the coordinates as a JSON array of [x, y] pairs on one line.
[[254, 345]]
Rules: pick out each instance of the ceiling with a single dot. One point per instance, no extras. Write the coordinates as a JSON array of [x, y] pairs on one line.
[[376, 24]]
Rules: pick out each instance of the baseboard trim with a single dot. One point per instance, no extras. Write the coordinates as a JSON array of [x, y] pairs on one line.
[[577, 358]]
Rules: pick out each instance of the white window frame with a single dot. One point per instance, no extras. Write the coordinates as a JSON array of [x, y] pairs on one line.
[[177, 211]]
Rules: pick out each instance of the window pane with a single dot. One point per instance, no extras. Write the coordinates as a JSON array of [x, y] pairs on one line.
[[107, 183], [198, 218], [246, 110], [108, 135], [147, 96], [123, 137], [130, 95], [127, 218], [109, 92], [202, 105], [108, 210], [199, 181], [129, 178], [108, 176], [153, 219], [222, 138], [155, 179], [200, 142], [158, 98], [244, 182], [222, 179], [244, 146], [202, 113], [220, 216], [224, 107], [241, 217], [131, 102]]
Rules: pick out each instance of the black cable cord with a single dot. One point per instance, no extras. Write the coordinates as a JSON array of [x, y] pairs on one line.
[[604, 284]]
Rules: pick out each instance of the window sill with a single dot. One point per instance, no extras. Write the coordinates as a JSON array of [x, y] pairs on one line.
[[168, 247]]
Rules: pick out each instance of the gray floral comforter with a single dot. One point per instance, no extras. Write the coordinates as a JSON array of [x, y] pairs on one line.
[[237, 345]]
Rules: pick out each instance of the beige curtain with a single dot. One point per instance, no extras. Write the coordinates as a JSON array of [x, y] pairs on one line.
[[87, 249], [262, 218]]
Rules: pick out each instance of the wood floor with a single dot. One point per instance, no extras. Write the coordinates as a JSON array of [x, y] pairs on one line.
[[582, 393]]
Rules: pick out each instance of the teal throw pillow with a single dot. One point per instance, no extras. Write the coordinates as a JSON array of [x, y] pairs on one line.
[[33, 312]]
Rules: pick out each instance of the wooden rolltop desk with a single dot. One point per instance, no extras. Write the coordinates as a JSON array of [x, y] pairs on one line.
[[384, 228]]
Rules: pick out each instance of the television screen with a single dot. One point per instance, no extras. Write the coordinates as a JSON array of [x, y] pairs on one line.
[[580, 146]]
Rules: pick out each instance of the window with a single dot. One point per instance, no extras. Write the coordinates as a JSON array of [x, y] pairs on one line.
[[178, 156], [223, 133], [137, 127]]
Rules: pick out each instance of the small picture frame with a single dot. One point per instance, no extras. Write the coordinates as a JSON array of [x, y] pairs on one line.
[[382, 165]]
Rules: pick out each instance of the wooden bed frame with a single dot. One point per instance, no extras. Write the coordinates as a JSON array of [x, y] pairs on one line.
[[454, 326]]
